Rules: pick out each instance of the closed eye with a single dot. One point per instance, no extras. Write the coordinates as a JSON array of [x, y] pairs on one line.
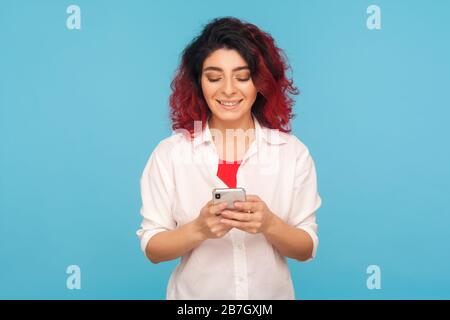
[[238, 79]]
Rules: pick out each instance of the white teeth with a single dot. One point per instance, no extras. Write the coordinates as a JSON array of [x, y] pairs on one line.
[[229, 104]]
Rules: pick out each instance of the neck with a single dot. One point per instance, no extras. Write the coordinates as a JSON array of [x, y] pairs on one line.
[[244, 123], [232, 148]]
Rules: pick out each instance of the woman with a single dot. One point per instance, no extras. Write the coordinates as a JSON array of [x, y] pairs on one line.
[[230, 111]]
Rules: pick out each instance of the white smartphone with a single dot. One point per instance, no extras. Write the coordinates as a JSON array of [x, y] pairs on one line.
[[228, 195]]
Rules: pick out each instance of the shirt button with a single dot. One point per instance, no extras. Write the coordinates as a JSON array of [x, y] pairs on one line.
[[240, 246]]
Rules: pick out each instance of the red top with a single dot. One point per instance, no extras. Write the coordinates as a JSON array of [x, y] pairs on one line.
[[227, 172]]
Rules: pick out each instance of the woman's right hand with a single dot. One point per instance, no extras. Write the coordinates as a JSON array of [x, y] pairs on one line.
[[208, 221]]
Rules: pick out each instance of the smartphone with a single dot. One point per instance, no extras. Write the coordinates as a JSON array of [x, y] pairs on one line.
[[228, 195]]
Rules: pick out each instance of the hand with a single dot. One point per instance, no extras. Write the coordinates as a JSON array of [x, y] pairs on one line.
[[257, 221], [208, 221]]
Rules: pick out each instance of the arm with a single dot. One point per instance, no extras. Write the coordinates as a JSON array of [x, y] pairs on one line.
[[169, 245], [297, 237], [290, 241]]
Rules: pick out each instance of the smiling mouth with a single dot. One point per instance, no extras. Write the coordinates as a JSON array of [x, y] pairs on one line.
[[229, 103]]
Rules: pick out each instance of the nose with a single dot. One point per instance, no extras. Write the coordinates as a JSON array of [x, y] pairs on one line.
[[228, 87]]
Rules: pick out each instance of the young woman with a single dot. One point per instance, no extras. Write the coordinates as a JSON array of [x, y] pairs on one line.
[[231, 112]]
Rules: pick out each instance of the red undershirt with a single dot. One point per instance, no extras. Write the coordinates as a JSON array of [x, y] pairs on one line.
[[227, 171]]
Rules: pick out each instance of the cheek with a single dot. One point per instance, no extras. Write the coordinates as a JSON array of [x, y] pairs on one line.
[[208, 89], [250, 91]]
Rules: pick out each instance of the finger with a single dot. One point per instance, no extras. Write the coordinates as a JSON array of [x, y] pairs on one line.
[[225, 228], [236, 224], [252, 198], [246, 206], [217, 208], [245, 217]]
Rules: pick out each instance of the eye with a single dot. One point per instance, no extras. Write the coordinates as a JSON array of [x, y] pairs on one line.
[[243, 79], [213, 80]]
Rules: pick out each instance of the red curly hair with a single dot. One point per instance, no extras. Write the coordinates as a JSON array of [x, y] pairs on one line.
[[267, 63]]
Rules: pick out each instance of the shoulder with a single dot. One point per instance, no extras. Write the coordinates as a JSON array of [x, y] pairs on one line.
[[170, 145], [161, 157], [289, 144], [294, 144], [303, 158], [170, 152]]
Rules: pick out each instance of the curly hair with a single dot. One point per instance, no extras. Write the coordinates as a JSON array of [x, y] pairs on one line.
[[267, 63]]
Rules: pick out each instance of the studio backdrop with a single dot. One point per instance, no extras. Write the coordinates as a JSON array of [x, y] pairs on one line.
[[84, 89]]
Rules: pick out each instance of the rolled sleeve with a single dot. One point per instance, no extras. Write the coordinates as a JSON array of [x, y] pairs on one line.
[[306, 199], [157, 190]]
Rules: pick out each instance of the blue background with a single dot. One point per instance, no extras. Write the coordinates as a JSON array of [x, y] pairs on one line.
[[82, 110]]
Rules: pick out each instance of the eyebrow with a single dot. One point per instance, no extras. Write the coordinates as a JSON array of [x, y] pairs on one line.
[[221, 70]]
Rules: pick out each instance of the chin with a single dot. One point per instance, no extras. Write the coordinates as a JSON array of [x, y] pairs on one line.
[[228, 115]]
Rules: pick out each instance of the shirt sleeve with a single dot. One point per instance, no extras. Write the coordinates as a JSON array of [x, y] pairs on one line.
[[306, 199], [157, 189]]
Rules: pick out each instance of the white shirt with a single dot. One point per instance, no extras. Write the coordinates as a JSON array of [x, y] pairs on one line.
[[177, 182]]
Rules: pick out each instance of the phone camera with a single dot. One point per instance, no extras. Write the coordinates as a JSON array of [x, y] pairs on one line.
[[217, 195]]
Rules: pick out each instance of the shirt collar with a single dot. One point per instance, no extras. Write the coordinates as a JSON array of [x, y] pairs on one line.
[[270, 136]]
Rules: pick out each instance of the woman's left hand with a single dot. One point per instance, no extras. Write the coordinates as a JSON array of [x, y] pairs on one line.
[[257, 221]]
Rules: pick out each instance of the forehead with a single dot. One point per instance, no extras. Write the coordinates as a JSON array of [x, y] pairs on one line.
[[226, 59]]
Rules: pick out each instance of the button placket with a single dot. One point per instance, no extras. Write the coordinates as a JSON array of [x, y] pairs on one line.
[[240, 265]]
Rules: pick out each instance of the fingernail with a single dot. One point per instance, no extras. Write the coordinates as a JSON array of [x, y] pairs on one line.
[[237, 204]]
